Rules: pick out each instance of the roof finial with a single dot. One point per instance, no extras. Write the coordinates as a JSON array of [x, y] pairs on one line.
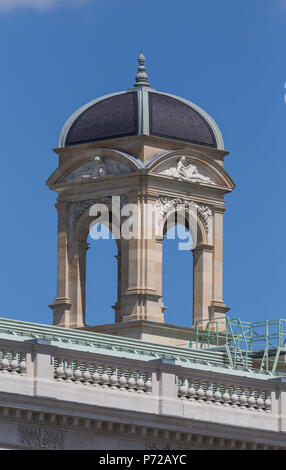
[[141, 77]]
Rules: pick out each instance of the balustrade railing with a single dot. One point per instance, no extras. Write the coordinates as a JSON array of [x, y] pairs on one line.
[[224, 394], [103, 375], [12, 362], [253, 395]]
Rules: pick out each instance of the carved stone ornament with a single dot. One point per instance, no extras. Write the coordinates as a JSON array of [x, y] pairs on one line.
[[42, 438], [167, 445], [76, 209], [165, 205], [181, 169], [97, 168]]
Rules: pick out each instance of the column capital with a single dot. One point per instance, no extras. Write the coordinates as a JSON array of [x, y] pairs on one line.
[[219, 210], [159, 239], [218, 310], [79, 243], [61, 308], [62, 206], [203, 247]]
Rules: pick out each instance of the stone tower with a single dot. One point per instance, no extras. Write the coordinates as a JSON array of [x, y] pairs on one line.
[[149, 149]]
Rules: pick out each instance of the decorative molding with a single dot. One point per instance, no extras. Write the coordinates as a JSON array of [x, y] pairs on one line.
[[165, 205], [155, 445], [217, 393], [105, 376], [43, 438], [51, 433], [13, 362], [97, 168], [76, 209], [185, 171]]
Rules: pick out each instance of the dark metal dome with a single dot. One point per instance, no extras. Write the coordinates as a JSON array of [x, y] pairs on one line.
[[139, 111]]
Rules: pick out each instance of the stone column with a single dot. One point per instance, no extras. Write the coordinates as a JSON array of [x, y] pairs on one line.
[[77, 282], [141, 270], [117, 307], [281, 399], [43, 367], [61, 306], [202, 282], [165, 387], [218, 308]]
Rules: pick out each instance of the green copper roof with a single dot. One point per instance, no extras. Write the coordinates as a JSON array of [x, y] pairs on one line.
[[99, 343]]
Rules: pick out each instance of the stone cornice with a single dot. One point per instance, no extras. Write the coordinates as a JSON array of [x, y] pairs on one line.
[[119, 143], [167, 433]]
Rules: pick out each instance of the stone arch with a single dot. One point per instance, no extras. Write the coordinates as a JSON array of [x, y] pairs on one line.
[[177, 273], [198, 217], [77, 248], [82, 224], [139, 260], [202, 255], [192, 222]]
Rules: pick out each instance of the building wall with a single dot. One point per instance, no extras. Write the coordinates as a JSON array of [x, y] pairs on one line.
[[60, 395]]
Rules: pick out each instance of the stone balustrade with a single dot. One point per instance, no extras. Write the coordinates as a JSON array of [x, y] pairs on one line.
[[103, 375], [219, 393], [45, 379], [12, 362]]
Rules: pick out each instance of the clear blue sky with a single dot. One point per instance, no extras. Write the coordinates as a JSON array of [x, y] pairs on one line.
[[226, 56]]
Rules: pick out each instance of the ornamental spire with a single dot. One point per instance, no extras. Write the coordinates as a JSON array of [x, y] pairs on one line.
[[141, 77]]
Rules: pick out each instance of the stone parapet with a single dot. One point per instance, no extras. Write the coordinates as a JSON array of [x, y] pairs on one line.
[[53, 392]]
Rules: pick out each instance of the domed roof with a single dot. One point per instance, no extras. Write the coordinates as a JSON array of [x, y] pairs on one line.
[[138, 111]]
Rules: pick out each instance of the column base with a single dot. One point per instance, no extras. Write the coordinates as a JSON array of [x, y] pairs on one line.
[[141, 304], [61, 309], [149, 331], [217, 313]]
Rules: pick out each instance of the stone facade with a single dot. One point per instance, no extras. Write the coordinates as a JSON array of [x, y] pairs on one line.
[[82, 390]]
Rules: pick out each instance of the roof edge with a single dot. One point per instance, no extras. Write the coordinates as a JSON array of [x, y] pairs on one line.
[[143, 115], [79, 111], [211, 122]]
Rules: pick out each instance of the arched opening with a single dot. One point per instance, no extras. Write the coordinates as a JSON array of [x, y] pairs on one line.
[[177, 275], [101, 276]]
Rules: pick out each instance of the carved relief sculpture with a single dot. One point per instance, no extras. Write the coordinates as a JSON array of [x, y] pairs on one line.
[[97, 168], [43, 438], [188, 172], [165, 205]]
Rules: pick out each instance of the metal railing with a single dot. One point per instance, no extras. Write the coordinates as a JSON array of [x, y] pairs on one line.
[[261, 345]]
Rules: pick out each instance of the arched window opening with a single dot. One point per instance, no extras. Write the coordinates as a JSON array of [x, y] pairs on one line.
[[101, 276], [178, 276]]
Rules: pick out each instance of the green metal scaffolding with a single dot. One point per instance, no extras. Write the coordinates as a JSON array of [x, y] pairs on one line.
[[249, 345]]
